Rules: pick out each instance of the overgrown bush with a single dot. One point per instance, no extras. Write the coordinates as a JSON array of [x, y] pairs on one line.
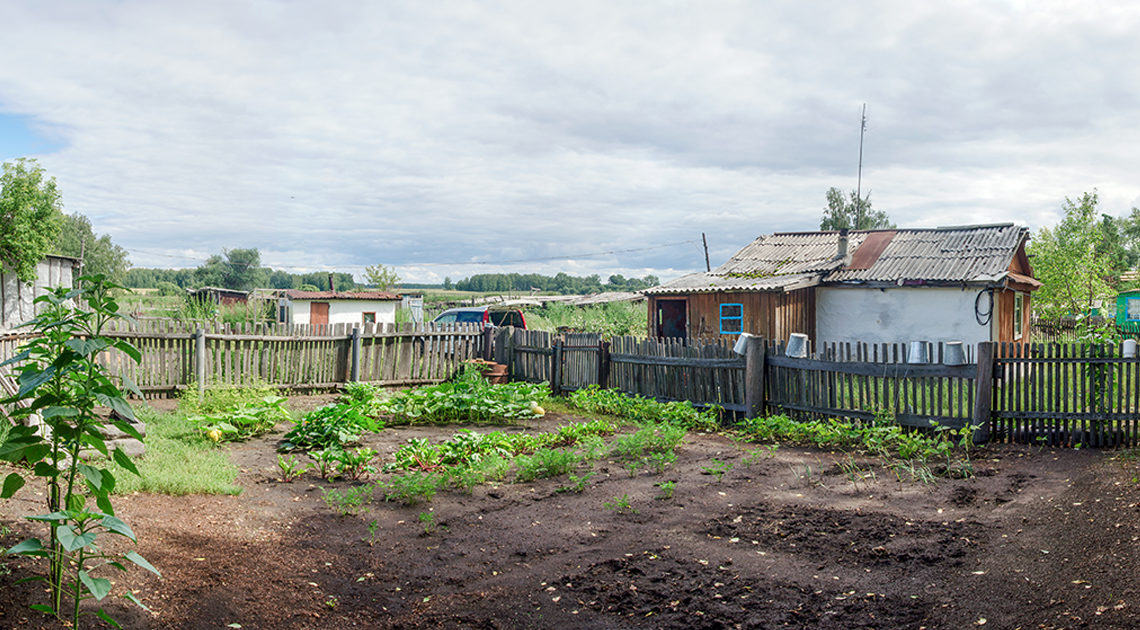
[[613, 319]]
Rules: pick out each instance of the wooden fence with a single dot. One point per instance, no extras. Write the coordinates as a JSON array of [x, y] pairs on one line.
[[176, 355]]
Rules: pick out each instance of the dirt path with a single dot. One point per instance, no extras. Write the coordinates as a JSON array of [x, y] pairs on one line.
[[1039, 539]]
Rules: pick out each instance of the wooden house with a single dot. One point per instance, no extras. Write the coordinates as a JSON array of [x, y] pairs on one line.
[[17, 298], [340, 307], [969, 284]]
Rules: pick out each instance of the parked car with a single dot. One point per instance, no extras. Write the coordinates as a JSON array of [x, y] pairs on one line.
[[486, 315]]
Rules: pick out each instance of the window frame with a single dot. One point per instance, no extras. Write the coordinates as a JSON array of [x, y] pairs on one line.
[[738, 318], [364, 317], [1127, 303], [1018, 315]]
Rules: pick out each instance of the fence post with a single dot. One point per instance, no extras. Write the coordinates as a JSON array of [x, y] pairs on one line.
[[503, 347], [603, 364], [354, 374], [556, 367], [985, 387], [200, 359], [488, 343], [755, 358]]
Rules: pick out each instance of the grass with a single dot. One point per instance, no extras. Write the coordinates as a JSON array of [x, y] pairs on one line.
[[179, 460]]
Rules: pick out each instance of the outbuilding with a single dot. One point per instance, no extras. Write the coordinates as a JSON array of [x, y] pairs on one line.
[[17, 299], [966, 283], [340, 307]]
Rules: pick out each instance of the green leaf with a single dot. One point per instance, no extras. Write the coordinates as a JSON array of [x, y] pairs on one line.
[[119, 404], [104, 503], [55, 412], [128, 428], [48, 610], [93, 475], [54, 516], [16, 359], [12, 483], [71, 541], [118, 526], [44, 469], [85, 347], [30, 380], [75, 502], [127, 348], [105, 617], [134, 600], [99, 587], [29, 546], [131, 385], [134, 557], [124, 460]]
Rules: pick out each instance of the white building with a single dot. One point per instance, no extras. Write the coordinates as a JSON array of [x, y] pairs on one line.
[[17, 298], [340, 307]]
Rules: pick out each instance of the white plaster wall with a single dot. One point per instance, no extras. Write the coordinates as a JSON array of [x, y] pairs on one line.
[[17, 299], [899, 315], [348, 311]]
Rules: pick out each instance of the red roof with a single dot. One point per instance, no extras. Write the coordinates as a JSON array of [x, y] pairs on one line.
[[341, 295]]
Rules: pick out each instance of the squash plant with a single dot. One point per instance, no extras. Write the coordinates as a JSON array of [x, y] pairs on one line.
[[63, 387]]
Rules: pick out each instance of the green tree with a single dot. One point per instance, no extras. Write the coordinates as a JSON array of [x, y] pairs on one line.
[[447, 284], [854, 213], [381, 277], [239, 270], [1068, 260], [100, 256], [31, 214]]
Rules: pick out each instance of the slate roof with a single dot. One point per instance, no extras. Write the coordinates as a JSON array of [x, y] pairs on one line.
[[793, 260]]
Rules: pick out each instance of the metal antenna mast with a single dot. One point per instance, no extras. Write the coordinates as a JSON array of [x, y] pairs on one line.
[[859, 184]]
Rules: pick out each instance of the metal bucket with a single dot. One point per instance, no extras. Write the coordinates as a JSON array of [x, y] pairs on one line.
[[797, 346], [953, 354], [917, 353]]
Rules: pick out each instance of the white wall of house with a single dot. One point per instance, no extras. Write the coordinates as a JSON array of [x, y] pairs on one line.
[[348, 311], [899, 315], [16, 298]]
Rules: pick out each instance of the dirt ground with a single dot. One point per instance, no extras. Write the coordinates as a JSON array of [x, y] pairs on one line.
[[1039, 539]]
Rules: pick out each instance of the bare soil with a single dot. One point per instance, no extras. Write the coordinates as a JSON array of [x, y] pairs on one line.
[[1038, 539]]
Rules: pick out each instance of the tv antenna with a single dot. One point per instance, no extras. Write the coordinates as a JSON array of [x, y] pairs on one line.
[[859, 181]]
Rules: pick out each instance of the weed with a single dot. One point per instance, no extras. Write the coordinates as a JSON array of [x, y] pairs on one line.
[[658, 461], [545, 462], [753, 456], [647, 440], [348, 501], [717, 469], [577, 484], [854, 473], [373, 532], [666, 490], [427, 520], [619, 505], [290, 468], [413, 487], [332, 601], [633, 466]]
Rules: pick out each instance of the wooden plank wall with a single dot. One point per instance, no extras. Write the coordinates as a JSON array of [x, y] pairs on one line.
[[530, 355], [580, 360], [772, 315]]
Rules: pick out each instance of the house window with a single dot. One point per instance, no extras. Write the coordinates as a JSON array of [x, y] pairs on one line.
[[731, 319], [1018, 314], [369, 318], [1132, 309]]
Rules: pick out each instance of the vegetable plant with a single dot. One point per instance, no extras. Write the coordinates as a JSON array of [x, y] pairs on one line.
[[64, 386], [243, 421], [468, 398]]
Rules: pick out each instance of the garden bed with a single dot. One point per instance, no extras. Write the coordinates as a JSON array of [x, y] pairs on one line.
[[749, 537]]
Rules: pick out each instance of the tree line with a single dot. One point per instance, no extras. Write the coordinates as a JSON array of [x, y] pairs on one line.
[[562, 283]]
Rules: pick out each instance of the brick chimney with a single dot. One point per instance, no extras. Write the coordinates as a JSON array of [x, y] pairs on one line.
[[842, 253]]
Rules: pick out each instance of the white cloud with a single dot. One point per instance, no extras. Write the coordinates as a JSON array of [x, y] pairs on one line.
[[346, 134]]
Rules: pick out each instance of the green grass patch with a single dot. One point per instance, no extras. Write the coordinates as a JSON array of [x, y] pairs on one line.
[[179, 460]]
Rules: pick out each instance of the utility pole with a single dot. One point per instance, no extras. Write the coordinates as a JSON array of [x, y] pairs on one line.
[[859, 184], [704, 240]]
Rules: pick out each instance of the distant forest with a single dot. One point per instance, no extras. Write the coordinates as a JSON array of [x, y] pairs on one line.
[[230, 274]]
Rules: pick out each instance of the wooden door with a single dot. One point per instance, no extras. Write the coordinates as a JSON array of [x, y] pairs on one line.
[[318, 313]]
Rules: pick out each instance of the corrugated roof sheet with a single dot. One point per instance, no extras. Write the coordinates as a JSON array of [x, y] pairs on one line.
[[709, 282], [965, 254], [793, 260], [341, 295]]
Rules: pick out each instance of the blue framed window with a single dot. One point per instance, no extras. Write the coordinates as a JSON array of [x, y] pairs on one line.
[[1132, 309], [731, 319]]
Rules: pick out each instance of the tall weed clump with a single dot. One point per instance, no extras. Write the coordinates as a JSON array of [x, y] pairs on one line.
[[65, 387]]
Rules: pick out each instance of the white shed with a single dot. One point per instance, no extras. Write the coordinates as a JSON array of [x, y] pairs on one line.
[[16, 298], [341, 307]]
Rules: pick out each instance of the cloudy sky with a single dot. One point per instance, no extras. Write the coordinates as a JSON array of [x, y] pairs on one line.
[[585, 137]]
